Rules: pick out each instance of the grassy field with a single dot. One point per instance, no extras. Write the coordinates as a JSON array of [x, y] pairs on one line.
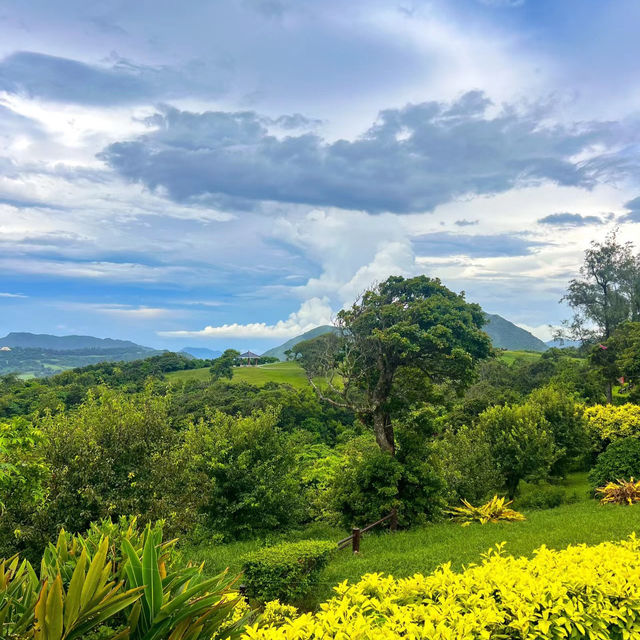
[[291, 372], [285, 372], [511, 356], [422, 549]]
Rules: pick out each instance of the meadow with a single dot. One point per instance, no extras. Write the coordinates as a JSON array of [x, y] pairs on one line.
[[293, 374], [422, 549]]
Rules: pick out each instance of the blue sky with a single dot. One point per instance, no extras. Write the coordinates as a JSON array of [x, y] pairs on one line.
[[233, 173]]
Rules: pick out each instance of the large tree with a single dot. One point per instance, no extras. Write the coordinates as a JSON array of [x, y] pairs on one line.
[[606, 293], [398, 335], [603, 297]]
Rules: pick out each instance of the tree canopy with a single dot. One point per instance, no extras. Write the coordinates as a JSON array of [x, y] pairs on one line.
[[414, 326]]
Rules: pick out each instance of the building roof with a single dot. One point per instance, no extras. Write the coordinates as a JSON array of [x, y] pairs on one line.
[[249, 354]]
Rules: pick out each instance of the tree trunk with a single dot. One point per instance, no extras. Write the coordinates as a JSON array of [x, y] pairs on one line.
[[609, 392], [384, 431]]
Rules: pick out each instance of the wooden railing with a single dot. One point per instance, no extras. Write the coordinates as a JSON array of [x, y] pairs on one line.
[[357, 532]]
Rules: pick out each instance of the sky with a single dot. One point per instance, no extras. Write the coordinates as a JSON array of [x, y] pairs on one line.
[[231, 174]]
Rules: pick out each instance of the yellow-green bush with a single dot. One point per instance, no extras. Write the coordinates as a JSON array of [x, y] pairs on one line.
[[607, 422], [579, 592]]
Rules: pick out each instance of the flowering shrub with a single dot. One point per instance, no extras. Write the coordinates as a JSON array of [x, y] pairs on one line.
[[607, 422], [579, 592], [493, 511], [620, 492]]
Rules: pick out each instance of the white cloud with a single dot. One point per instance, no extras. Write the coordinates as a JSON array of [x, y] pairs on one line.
[[12, 295], [125, 311], [312, 313], [543, 331]]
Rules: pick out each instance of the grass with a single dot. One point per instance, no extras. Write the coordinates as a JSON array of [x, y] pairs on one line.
[[284, 372], [527, 356], [292, 373], [422, 549]]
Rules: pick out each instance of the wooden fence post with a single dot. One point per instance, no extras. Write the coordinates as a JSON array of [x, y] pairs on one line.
[[355, 541], [394, 520]]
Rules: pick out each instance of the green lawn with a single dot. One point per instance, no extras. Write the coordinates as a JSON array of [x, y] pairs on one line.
[[285, 372], [422, 549], [511, 356]]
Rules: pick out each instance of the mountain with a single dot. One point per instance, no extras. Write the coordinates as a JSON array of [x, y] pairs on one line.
[[278, 352], [201, 352], [66, 343], [506, 335], [503, 334], [30, 354]]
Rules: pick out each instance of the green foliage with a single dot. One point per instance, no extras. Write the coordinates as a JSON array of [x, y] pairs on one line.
[[222, 367], [621, 459], [23, 481], [565, 417], [110, 458], [542, 495], [366, 489], [245, 471], [464, 462], [287, 571], [91, 590], [521, 442], [415, 324]]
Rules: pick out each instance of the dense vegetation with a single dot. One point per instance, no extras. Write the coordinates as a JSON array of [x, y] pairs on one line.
[[405, 406]]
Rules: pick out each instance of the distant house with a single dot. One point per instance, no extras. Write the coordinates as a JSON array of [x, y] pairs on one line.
[[249, 358], [5, 348]]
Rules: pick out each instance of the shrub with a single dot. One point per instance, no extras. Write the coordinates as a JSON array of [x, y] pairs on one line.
[[565, 418], [246, 472], [542, 495], [106, 458], [521, 442], [94, 592], [607, 423], [579, 592], [496, 510], [464, 462], [286, 571], [621, 459], [366, 488], [620, 492]]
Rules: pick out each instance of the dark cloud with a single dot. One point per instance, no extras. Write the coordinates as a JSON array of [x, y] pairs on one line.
[[570, 220], [411, 159], [64, 80], [466, 223], [633, 207], [477, 246]]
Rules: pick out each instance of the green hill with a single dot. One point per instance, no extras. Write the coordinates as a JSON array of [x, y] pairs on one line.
[[66, 343], [506, 335], [278, 352]]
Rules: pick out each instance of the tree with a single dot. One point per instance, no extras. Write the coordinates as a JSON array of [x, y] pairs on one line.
[[521, 442], [222, 366], [400, 325], [622, 355], [606, 294]]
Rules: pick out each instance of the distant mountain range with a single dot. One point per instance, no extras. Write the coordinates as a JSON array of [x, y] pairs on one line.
[[66, 343], [201, 352], [563, 344], [30, 354], [503, 334]]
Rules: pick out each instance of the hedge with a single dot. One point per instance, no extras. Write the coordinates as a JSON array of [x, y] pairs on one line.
[[579, 592], [286, 571]]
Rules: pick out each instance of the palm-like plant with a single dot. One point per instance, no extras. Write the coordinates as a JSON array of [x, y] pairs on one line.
[[495, 510]]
